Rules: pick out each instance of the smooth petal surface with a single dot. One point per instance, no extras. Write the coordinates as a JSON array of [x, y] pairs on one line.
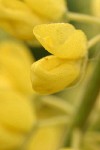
[[50, 9], [62, 40], [16, 61], [10, 140], [14, 106], [17, 117], [47, 138], [13, 19], [51, 74], [19, 17], [5, 83]]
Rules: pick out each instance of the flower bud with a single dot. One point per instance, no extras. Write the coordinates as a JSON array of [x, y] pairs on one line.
[[13, 19], [17, 117], [51, 74], [50, 9], [62, 40], [15, 62], [19, 17]]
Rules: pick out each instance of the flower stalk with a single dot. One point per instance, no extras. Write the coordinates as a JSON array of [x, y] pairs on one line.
[[94, 41], [88, 101], [82, 18]]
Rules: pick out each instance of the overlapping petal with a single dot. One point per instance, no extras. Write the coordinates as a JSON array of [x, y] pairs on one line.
[[62, 40], [51, 74]]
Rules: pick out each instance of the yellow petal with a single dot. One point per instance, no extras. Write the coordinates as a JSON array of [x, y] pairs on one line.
[[50, 9], [16, 112], [10, 139], [6, 25], [12, 48], [15, 5], [13, 19], [17, 117], [5, 83], [47, 138], [75, 46], [16, 60], [51, 74], [62, 40]]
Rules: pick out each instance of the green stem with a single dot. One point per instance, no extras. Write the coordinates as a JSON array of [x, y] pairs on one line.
[[88, 100], [54, 121], [94, 41], [76, 139], [82, 18]]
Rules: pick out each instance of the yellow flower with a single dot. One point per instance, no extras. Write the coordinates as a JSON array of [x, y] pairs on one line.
[[17, 117], [15, 62], [62, 40], [19, 17], [51, 74], [95, 5]]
